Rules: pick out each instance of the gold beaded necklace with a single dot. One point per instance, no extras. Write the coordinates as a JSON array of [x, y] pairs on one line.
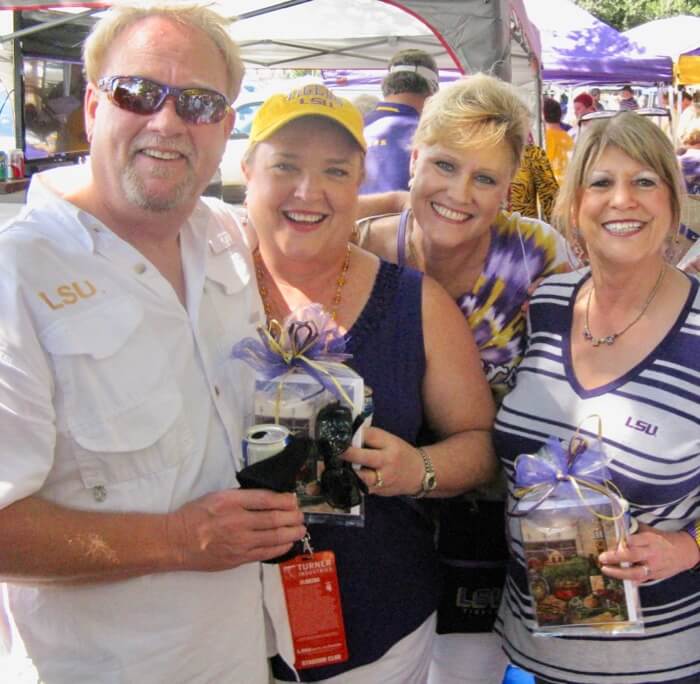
[[264, 294]]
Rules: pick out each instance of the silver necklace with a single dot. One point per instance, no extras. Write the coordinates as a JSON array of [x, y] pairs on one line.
[[610, 339]]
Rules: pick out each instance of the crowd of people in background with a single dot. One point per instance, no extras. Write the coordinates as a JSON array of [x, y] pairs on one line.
[[493, 292]]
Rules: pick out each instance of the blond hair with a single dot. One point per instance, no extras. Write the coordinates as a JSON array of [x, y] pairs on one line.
[[479, 111], [640, 139], [124, 16]]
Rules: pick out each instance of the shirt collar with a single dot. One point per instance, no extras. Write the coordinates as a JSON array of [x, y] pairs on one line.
[[47, 192]]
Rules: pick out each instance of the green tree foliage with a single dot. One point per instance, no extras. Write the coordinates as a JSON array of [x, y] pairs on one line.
[[626, 14]]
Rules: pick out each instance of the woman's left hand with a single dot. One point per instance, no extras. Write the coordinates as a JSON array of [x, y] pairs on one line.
[[390, 466], [652, 555]]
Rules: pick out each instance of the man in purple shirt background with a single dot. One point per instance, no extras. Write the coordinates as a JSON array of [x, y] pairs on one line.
[[627, 99], [389, 127]]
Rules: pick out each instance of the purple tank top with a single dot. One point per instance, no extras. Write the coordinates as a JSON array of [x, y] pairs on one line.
[[387, 569]]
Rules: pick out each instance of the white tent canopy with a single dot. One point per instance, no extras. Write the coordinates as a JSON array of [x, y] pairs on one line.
[[465, 34], [469, 35], [494, 36], [672, 36]]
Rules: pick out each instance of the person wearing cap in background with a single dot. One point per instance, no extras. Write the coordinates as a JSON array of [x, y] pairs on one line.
[[412, 346], [595, 94], [627, 99], [128, 551], [389, 127]]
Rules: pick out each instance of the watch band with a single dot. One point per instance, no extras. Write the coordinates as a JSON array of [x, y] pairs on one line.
[[428, 483], [693, 529]]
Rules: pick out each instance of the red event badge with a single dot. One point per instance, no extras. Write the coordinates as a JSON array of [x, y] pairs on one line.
[[312, 594]]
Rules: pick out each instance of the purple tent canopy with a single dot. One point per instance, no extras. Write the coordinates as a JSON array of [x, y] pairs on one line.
[[577, 48]]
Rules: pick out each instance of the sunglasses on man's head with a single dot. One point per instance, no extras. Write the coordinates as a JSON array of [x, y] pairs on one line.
[[143, 96], [610, 114]]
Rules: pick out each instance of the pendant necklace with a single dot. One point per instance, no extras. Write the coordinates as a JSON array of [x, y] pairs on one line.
[[264, 294], [610, 339]]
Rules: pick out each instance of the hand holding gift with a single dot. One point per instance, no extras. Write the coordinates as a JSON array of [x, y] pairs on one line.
[[303, 384], [651, 554], [228, 528], [390, 466], [570, 513]]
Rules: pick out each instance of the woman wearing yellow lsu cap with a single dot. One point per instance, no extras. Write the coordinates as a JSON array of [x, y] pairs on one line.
[[410, 344]]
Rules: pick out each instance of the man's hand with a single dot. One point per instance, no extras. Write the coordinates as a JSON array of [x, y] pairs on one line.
[[228, 528]]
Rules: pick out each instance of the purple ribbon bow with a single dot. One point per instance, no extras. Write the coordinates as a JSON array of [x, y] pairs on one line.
[[561, 470], [307, 340]]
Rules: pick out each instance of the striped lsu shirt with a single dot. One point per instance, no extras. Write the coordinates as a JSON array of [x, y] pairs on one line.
[[651, 430]]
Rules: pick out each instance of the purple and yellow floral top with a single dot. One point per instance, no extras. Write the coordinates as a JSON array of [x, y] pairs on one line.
[[521, 251]]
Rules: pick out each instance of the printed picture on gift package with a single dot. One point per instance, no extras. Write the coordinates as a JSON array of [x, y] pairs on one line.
[[566, 583]]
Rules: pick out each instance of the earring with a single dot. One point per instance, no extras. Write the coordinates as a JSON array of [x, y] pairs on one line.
[[672, 247], [576, 243]]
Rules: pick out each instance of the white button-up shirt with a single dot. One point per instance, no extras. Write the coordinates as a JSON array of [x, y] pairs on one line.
[[114, 397]]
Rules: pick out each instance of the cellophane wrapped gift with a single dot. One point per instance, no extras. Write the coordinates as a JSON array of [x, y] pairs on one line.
[[569, 514], [301, 380]]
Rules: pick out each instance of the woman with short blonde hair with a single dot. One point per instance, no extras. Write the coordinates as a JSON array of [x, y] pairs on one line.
[[619, 341], [476, 113], [410, 344], [466, 151]]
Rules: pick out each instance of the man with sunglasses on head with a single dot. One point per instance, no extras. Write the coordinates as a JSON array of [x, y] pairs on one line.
[[412, 78], [128, 552]]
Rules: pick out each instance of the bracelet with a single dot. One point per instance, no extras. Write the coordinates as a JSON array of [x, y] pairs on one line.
[[428, 482], [693, 529]]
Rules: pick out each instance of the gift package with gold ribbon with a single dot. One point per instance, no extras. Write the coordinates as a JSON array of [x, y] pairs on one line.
[[569, 513], [306, 395]]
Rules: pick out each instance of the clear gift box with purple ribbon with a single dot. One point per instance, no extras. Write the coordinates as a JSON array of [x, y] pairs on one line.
[[300, 376], [569, 513]]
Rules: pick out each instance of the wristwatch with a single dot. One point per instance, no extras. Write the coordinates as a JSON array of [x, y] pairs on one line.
[[694, 531], [428, 483]]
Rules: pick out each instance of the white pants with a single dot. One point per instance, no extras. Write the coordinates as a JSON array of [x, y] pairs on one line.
[[467, 659], [406, 662]]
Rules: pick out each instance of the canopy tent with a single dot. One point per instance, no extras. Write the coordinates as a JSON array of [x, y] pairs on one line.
[[577, 48], [465, 35], [677, 37], [469, 35]]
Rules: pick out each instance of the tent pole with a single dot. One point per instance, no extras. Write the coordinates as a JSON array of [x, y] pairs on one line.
[[538, 104], [20, 33]]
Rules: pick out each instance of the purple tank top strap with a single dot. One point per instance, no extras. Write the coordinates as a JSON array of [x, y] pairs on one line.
[[401, 238]]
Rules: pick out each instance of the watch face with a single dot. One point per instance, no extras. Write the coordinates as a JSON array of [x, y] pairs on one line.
[[429, 482]]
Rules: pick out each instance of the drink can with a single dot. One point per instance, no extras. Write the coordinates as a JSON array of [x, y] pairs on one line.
[[4, 168], [264, 440], [16, 164]]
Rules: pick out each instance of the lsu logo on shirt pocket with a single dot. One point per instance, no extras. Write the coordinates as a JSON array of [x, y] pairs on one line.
[[68, 294]]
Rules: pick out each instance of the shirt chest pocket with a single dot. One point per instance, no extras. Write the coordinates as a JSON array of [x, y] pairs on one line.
[[118, 406]]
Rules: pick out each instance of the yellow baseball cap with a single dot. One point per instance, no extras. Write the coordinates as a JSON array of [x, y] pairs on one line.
[[311, 100]]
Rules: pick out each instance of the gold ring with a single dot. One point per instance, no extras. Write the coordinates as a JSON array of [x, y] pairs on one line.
[[380, 482]]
